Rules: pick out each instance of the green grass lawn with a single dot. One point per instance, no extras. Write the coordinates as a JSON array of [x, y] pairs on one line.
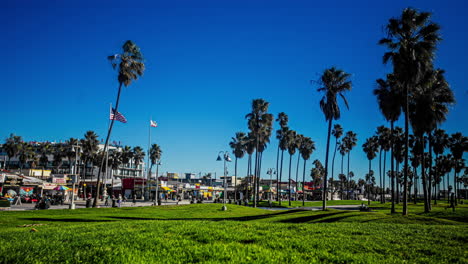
[[204, 233]]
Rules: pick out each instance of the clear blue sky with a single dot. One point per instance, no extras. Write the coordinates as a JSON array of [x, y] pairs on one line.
[[206, 61]]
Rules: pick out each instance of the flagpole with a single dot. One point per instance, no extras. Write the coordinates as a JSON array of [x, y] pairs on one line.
[[148, 175]]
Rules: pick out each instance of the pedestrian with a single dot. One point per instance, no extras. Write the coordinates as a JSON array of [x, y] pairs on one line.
[[120, 200]]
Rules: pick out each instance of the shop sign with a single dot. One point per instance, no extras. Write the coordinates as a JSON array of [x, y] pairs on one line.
[[13, 181]]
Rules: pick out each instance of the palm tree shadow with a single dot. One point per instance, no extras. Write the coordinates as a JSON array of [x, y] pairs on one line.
[[69, 220], [318, 218], [242, 218]]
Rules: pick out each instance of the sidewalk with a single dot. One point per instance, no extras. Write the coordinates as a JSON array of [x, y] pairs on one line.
[[82, 204]]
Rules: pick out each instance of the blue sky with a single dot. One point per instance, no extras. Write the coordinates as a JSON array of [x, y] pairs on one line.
[[206, 61]]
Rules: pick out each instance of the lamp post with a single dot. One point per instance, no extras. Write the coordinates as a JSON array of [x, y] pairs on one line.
[[225, 158], [270, 172], [156, 198], [75, 148]]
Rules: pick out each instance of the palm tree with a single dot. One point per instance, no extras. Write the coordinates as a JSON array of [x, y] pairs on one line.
[[317, 173], [428, 109], [58, 153], [383, 134], [333, 82], [280, 134], [306, 149], [411, 41], [440, 141], [370, 147], [25, 152], [351, 141], [389, 101], [11, 146], [238, 149], [249, 149], [90, 146], [370, 180], [299, 139], [458, 145], [337, 132], [44, 150], [155, 156], [138, 157], [292, 146], [259, 123], [342, 148], [115, 161], [130, 66]]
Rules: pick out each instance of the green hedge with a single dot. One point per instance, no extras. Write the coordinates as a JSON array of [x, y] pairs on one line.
[[4, 203]]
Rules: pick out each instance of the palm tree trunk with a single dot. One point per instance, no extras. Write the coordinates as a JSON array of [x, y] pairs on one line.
[[255, 172], [397, 183], [333, 163], [260, 155], [341, 180], [324, 206], [415, 187], [297, 173], [277, 173], [405, 172], [383, 177], [106, 144], [289, 181], [392, 175], [423, 174], [303, 184], [235, 181], [429, 184], [347, 176], [368, 185], [281, 176], [380, 174]]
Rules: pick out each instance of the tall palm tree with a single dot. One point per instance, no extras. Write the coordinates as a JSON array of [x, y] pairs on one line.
[[299, 139], [115, 161], [389, 101], [333, 82], [370, 147], [306, 149], [264, 140], [90, 146], [458, 145], [428, 109], [292, 147], [130, 66], [280, 134], [249, 149], [11, 146], [351, 142], [155, 156], [337, 132], [138, 157], [440, 141], [411, 41], [259, 124], [238, 149], [342, 148]]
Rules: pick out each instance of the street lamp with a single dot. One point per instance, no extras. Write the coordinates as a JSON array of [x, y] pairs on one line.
[[270, 172], [225, 158], [76, 148]]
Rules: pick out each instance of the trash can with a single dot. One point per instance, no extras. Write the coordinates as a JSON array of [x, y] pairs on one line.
[[159, 201], [88, 203], [114, 203]]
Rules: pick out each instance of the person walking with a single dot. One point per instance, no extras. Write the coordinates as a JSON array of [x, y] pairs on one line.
[[120, 200]]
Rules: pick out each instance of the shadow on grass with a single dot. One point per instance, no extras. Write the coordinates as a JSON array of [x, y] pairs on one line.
[[241, 218], [70, 220], [318, 218]]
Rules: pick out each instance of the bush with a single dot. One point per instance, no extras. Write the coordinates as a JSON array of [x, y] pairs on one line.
[[5, 203]]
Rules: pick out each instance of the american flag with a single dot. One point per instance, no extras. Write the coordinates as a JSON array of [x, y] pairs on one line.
[[118, 116], [153, 123]]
